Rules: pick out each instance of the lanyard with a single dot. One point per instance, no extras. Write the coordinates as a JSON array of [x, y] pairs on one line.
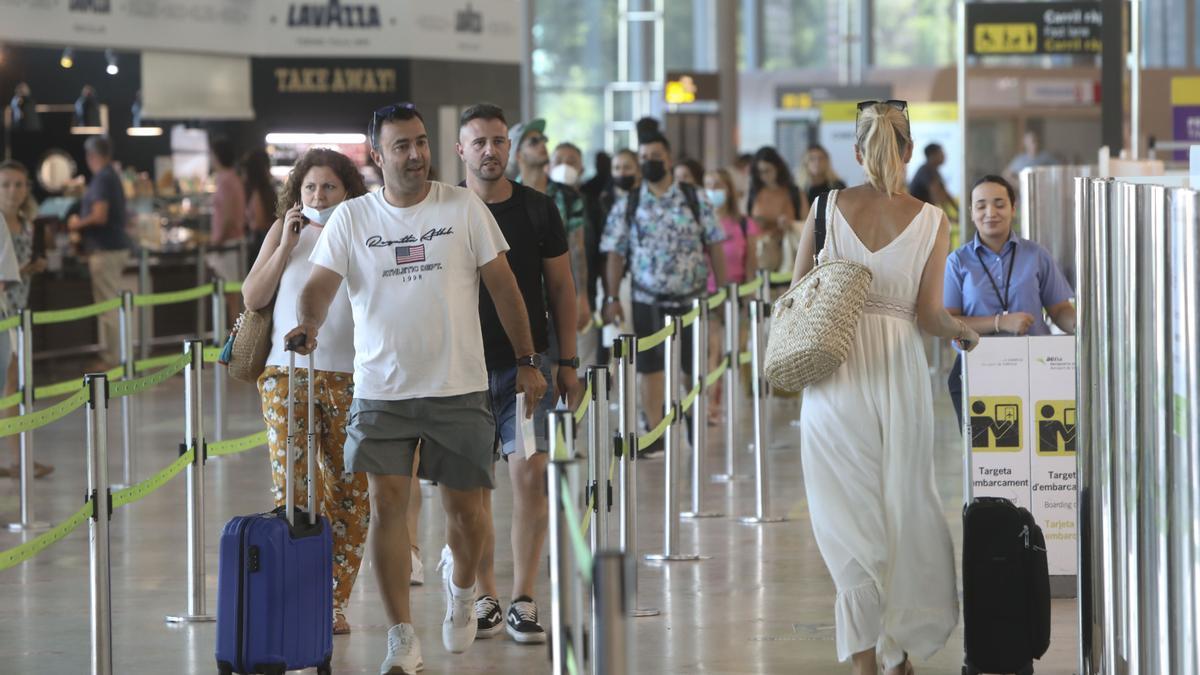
[[1007, 279]]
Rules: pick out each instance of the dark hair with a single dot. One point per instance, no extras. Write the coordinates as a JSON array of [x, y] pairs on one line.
[[99, 145], [482, 111], [342, 165], [603, 163], [694, 168], [743, 159], [256, 179], [222, 149], [783, 175], [623, 151], [931, 149], [998, 180], [568, 145], [396, 112]]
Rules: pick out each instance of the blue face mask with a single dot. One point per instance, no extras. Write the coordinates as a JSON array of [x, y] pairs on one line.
[[717, 197], [319, 217]]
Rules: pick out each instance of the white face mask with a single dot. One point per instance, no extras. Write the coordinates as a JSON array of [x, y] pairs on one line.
[[565, 174], [717, 197], [319, 217]]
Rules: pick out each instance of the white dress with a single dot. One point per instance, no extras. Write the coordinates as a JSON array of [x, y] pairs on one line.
[[867, 448]]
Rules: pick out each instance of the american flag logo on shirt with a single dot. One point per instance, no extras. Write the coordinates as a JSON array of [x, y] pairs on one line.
[[410, 254]]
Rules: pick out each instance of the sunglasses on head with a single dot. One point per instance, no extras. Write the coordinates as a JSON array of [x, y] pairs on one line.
[[896, 103], [384, 113]]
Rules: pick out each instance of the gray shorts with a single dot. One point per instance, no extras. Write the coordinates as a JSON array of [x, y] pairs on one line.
[[457, 434]]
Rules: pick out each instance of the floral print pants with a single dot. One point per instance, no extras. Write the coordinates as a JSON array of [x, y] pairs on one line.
[[343, 496]]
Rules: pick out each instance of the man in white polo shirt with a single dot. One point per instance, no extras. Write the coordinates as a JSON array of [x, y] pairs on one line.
[[413, 255]]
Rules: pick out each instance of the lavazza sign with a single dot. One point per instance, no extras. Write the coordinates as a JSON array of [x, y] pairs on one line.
[[333, 14]]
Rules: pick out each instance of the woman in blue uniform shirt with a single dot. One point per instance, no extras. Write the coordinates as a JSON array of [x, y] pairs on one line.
[[1000, 283]]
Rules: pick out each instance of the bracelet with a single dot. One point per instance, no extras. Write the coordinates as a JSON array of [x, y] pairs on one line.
[[608, 299], [997, 324]]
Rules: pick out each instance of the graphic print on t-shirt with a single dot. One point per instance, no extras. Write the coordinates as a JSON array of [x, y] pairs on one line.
[[411, 261]]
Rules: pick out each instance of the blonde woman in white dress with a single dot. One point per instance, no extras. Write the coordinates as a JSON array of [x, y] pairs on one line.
[[867, 431]]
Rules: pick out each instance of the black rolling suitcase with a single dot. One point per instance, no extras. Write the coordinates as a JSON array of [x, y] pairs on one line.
[[1006, 588]]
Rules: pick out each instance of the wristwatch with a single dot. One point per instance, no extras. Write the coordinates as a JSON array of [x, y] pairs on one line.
[[569, 363], [531, 361], [611, 299]]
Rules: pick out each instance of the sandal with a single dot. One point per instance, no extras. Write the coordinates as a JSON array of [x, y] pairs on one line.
[[340, 625], [905, 665]]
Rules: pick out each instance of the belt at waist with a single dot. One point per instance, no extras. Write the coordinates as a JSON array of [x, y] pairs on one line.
[[893, 307]]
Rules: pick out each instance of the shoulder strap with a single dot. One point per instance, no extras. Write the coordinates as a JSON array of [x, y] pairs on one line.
[[693, 201], [819, 207], [745, 227], [631, 204]]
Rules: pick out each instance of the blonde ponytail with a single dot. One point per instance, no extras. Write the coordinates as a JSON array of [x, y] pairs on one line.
[[883, 137]]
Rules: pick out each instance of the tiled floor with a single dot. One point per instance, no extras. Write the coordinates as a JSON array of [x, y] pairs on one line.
[[762, 603]]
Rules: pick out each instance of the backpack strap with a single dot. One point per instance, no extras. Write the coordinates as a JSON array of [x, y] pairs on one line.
[[693, 201]]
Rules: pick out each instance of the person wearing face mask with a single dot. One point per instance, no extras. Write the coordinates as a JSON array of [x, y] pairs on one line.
[[741, 235], [319, 182], [531, 155], [17, 211], [663, 231], [1000, 283], [566, 167]]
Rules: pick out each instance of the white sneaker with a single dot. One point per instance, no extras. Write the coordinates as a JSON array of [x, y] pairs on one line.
[[459, 626], [404, 651], [417, 578]]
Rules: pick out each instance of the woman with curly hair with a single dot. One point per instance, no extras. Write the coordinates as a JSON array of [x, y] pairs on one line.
[[319, 182]]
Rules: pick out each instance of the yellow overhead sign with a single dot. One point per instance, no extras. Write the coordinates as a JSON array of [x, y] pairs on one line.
[[1006, 38], [1185, 91], [796, 101]]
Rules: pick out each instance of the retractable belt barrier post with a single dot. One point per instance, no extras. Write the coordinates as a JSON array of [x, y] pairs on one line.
[[25, 385], [562, 634], [732, 375], [673, 372], [762, 503], [98, 492], [600, 446], [143, 317], [611, 631], [126, 325], [219, 376], [193, 437], [625, 353], [700, 411]]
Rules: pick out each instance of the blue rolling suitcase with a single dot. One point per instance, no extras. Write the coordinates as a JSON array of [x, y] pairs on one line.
[[275, 580]]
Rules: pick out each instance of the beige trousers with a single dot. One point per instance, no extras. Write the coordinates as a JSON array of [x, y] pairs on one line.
[[106, 268]]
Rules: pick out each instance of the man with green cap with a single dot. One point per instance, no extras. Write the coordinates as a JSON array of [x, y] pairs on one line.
[[529, 164]]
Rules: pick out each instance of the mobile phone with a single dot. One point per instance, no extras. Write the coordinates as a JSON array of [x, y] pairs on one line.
[[297, 340]]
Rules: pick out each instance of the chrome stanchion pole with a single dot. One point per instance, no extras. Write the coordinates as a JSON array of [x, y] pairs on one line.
[[126, 325], [101, 496], [219, 389], [733, 339], [201, 274], [625, 354], [673, 373], [700, 412], [144, 315], [600, 451], [193, 437], [612, 630], [27, 523], [561, 637], [762, 504]]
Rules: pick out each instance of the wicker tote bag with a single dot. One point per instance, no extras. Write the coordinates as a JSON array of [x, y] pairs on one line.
[[813, 323], [249, 344]]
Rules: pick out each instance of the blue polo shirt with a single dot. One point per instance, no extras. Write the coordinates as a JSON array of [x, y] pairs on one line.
[[1037, 282]]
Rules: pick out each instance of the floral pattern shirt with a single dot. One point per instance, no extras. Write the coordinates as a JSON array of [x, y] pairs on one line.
[[665, 249]]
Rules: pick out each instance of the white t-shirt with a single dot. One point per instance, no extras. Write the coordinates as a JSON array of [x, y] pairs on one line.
[[413, 278], [335, 348]]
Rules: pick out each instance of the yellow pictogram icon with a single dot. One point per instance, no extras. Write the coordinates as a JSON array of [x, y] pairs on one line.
[[996, 424], [1006, 38], [1056, 427]]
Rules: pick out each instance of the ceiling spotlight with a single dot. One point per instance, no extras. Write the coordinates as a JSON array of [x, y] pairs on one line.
[[112, 68], [67, 59]]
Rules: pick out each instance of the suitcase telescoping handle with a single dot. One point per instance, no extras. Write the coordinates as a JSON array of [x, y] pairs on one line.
[[291, 346]]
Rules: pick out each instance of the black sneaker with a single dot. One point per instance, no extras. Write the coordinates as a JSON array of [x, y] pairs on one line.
[[522, 623], [488, 617]]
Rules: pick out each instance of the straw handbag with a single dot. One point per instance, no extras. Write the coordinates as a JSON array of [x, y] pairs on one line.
[[813, 323], [249, 344]]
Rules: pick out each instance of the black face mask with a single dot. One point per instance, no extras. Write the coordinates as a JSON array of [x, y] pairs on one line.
[[654, 170], [624, 182]]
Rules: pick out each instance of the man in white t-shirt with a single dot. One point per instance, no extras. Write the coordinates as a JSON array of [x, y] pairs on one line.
[[412, 256]]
